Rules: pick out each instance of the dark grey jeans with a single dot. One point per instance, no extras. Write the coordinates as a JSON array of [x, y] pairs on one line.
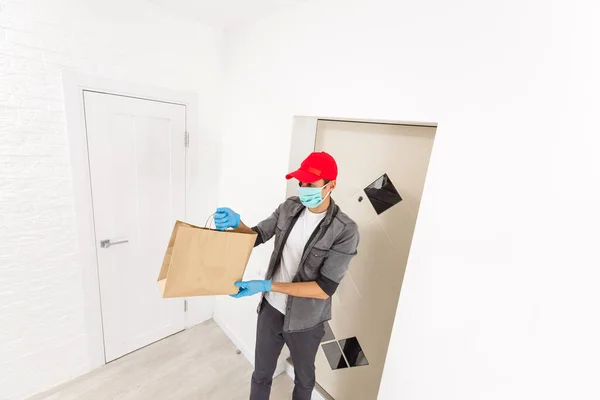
[[270, 339]]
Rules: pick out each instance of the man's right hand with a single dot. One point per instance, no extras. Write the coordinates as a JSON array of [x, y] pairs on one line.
[[226, 218]]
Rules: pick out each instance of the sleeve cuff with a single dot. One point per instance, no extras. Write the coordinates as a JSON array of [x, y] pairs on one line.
[[327, 285], [259, 239]]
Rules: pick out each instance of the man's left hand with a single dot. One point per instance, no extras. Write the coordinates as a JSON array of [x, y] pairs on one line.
[[250, 288]]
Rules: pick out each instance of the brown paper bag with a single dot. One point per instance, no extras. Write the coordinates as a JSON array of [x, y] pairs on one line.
[[204, 262]]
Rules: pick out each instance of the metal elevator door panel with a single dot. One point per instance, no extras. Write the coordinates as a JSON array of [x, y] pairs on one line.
[[382, 175]]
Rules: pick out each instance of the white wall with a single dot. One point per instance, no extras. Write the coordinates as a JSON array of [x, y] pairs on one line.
[[500, 297], [42, 323]]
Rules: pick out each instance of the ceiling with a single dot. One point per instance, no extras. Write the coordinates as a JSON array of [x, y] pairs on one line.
[[223, 13]]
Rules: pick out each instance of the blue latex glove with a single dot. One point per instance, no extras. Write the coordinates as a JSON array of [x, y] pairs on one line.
[[250, 288], [226, 218]]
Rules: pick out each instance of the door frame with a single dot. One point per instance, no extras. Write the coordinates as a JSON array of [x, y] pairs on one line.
[[74, 85]]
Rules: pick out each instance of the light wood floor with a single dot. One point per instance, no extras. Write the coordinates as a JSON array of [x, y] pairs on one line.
[[197, 364]]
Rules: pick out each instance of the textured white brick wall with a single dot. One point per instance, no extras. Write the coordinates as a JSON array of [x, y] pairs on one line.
[[42, 333]]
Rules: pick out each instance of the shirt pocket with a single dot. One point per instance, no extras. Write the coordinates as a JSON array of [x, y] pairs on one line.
[[315, 261]]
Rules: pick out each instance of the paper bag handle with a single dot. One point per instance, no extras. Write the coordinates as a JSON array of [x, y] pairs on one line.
[[211, 218]]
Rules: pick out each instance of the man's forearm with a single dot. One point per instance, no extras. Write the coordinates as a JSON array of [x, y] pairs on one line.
[[300, 289]]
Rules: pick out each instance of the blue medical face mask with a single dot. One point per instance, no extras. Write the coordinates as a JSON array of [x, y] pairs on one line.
[[311, 197]]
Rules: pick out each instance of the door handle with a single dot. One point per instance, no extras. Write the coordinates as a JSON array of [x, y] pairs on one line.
[[105, 244]]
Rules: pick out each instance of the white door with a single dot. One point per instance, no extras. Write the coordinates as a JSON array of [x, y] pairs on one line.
[[382, 174], [137, 160]]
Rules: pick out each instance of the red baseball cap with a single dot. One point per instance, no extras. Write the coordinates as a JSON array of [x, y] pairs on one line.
[[317, 166]]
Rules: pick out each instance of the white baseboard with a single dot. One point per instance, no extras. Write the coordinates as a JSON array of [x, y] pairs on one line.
[[248, 353]]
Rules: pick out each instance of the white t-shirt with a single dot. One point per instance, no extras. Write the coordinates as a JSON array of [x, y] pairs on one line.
[[292, 253]]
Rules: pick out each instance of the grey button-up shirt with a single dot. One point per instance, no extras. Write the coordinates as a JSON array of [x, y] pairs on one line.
[[325, 259]]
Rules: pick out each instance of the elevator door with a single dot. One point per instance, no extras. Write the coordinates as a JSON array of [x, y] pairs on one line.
[[382, 174]]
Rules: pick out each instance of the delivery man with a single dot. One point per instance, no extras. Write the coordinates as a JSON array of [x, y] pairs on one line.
[[314, 243]]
